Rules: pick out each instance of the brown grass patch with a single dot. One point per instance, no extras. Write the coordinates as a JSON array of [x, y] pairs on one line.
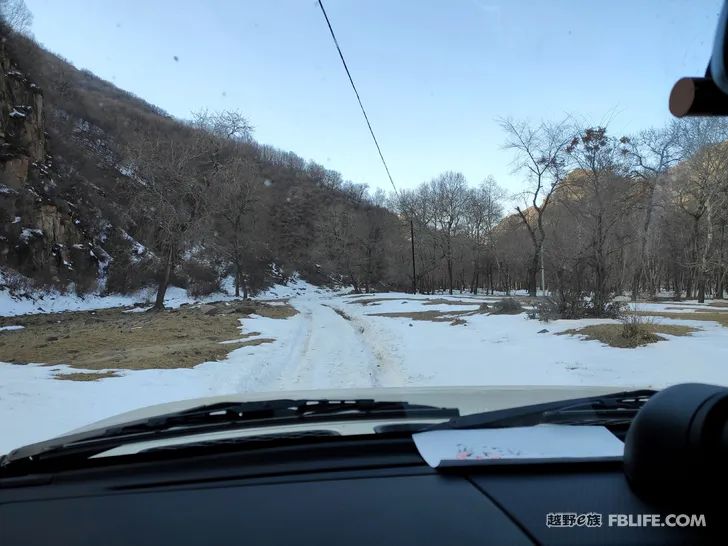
[[256, 342], [716, 316], [613, 334], [458, 322], [441, 301], [432, 316], [276, 311], [695, 309], [376, 301], [110, 338], [85, 376]]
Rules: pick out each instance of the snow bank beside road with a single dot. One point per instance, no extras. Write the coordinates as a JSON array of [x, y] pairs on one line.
[[54, 302], [334, 342]]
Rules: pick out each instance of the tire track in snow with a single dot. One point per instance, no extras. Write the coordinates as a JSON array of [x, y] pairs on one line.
[[322, 349], [388, 369], [331, 356]]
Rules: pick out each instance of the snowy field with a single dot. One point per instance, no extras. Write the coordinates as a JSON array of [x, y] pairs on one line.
[[335, 341]]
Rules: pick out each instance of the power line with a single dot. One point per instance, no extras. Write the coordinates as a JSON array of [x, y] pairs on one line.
[[358, 98], [376, 143]]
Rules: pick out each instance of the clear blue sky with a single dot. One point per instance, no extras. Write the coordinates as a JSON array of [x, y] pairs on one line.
[[434, 75]]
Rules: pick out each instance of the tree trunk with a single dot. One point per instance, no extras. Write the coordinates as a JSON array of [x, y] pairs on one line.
[[640, 271], [543, 276], [721, 268], [414, 271], [163, 282], [237, 280], [533, 272], [704, 255], [449, 274]]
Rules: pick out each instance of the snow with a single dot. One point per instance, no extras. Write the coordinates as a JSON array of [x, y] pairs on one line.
[[28, 233], [11, 328], [138, 309], [16, 114], [319, 348], [54, 302], [138, 248]]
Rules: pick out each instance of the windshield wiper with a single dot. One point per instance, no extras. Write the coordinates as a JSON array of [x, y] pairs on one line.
[[280, 410], [222, 416], [610, 409]]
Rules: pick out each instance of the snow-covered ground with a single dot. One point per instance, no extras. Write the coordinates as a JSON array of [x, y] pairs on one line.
[[335, 342], [54, 302]]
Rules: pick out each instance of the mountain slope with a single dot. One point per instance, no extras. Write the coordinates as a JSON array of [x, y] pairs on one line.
[[68, 196]]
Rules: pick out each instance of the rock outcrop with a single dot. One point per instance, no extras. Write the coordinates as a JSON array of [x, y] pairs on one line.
[[39, 237]]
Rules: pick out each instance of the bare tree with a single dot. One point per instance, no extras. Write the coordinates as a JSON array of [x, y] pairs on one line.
[[483, 211], [653, 152], [236, 188], [16, 15], [449, 194], [226, 124], [700, 192], [599, 194], [540, 153], [417, 208], [169, 200]]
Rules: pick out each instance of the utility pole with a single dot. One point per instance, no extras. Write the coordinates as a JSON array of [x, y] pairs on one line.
[[414, 272], [543, 282]]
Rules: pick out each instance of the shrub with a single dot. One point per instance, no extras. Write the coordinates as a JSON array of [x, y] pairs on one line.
[[201, 278], [125, 275], [507, 306], [545, 310], [638, 328], [571, 307]]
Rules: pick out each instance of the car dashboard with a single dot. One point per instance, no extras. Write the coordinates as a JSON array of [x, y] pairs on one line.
[[334, 491]]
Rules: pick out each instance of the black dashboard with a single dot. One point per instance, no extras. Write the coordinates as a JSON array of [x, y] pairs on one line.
[[337, 491]]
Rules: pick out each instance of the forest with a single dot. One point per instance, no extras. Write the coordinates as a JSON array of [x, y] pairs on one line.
[[189, 202]]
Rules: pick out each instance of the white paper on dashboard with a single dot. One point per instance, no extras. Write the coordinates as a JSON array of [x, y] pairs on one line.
[[537, 442]]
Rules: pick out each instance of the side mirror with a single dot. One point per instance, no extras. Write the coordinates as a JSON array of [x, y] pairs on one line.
[[719, 58], [706, 96], [676, 446]]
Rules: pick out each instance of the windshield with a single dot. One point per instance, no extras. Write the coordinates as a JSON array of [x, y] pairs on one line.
[[243, 199]]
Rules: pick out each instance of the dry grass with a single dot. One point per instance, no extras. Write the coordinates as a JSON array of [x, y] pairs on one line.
[[110, 338], [274, 311], [613, 334], [377, 301], [85, 376], [716, 316], [256, 342], [431, 316], [442, 301], [718, 309], [339, 312], [507, 306]]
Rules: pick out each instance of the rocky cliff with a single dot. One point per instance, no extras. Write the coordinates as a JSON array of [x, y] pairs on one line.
[[39, 236]]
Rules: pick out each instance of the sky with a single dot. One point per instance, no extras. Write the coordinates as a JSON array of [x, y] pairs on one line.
[[434, 75]]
